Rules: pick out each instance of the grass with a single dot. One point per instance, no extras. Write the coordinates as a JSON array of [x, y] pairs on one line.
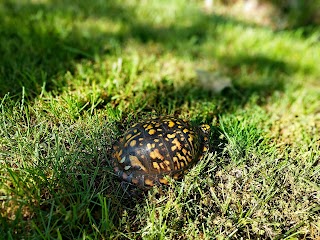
[[75, 75]]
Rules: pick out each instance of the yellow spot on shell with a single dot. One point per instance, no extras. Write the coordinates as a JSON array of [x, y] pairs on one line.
[[156, 166], [120, 152], [162, 166], [148, 182], [149, 127], [167, 163], [116, 156], [182, 158], [156, 154], [152, 131], [176, 176], [177, 163], [134, 125], [150, 146], [133, 143], [128, 136], [184, 151], [136, 163], [171, 124], [185, 130], [171, 135], [132, 137], [177, 143], [163, 181], [173, 148]]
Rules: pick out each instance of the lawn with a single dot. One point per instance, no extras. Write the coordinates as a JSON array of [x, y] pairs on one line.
[[75, 74]]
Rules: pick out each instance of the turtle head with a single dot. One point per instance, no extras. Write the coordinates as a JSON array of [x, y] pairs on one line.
[[205, 129]]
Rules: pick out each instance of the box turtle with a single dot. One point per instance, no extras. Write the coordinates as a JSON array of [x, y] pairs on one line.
[[158, 147]]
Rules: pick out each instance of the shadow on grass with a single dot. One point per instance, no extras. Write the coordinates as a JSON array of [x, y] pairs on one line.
[[299, 13], [69, 191], [251, 75], [39, 42], [35, 50]]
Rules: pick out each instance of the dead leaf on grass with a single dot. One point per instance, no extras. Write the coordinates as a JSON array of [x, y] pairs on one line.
[[213, 81]]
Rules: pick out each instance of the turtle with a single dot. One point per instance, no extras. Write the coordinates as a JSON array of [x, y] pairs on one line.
[[152, 149]]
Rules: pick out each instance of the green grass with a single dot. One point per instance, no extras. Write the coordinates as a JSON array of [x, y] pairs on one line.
[[74, 75]]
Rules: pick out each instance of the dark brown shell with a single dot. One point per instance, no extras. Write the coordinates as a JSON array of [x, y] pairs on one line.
[[156, 148]]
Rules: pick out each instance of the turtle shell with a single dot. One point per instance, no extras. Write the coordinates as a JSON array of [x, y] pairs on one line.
[[155, 148]]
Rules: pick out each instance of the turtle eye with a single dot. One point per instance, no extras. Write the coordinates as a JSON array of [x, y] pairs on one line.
[[205, 128]]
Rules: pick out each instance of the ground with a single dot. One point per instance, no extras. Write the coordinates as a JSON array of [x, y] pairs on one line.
[[75, 75]]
